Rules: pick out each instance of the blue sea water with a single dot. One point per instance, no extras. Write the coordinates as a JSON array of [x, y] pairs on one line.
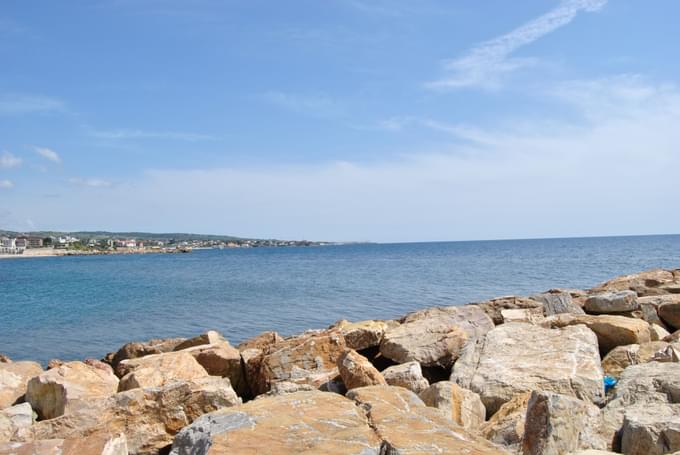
[[77, 307]]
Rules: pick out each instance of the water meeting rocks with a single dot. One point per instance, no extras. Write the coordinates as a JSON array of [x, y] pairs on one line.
[[435, 336], [517, 357]]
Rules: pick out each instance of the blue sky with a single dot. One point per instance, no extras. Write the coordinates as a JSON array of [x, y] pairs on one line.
[[342, 119]]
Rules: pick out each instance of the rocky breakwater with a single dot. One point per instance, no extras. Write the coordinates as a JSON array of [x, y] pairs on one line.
[[512, 375]]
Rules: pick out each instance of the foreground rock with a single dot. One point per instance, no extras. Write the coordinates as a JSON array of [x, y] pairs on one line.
[[158, 370], [15, 421], [222, 359], [611, 331], [68, 387], [150, 418], [458, 404], [651, 431], [303, 422], [669, 312], [558, 424], [14, 377], [407, 375], [436, 336], [612, 302], [515, 358], [102, 443], [506, 426], [357, 371]]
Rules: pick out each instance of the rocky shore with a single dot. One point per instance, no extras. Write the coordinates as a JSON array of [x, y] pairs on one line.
[[512, 375]]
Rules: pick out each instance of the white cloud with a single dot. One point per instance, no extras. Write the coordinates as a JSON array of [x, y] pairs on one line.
[[6, 184], [7, 161], [90, 182], [318, 105], [485, 65], [14, 104], [48, 154], [141, 134]]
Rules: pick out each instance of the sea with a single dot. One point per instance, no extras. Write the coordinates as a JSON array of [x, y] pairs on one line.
[[85, 306]]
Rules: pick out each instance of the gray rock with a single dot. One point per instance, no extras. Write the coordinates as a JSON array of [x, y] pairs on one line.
[[557, 303], [612, 302], [651, 430], [407, 375], [462, 406]]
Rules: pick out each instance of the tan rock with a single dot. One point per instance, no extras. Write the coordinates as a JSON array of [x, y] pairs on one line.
[[158, 370], [506, 426], [516, 358], [68, 387], [5, 359], [435, 336], [658, 333], [137, 349], [528, 315], [651, 282], [669, 313], [557, 424], [295, 423], [407, 426], [15, 421], [222, 359], [494, 307], [209, 337], [260, 341], [611, 331], [462, 406], [14, 377], [101, 443], [651, 430], [621, 357], [357, 371], [408, 375], [364, 334], [150, 418], [308, 358]]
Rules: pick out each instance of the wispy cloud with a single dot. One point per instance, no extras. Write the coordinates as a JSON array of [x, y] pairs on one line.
[[90, 182], [485, 65], [122, 134], [318, 105], [6, 184], [7, 161], [15, 104], [48, 154]]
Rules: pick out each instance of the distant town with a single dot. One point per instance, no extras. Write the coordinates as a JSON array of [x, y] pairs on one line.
[[85, 243]]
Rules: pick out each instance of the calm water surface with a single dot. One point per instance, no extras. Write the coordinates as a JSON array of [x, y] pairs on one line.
[[76, 307]]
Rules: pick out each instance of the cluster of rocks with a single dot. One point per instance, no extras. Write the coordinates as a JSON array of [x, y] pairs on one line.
[[513, 375]]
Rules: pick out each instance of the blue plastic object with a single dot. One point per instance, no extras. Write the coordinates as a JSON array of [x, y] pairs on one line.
[[609, 383]]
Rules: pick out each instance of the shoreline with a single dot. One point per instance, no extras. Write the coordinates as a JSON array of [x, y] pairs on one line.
[[52, 252]]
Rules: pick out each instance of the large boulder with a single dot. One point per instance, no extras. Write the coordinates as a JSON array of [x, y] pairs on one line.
[[557, 303], [150, 418], [15, 421], [462, 406], [158, 370], [558, 424], [407, 426], [506, 426], [611, 331], [101, 443], [364, 334], [14, 377], [651, 430], [357, 371], [494, 307], [435, 336], [302, 422], [669, 312], [516, 358], [222, 359], [651, 282], [73, 384], [621, 357], [209, 337], [408, 375], [136, 349], [612, 302], [308, 358]]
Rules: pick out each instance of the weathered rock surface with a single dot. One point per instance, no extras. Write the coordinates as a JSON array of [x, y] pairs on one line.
[[435, 336], [295, 423], [357, 371], [260, 341], [557, 424], [494, 307], [651, 430], [669, 312], [651, 282], [516, 358], [611, 331], [138, 349], [364, 334], [557, 303], [506, 426], [15, 421], [68, 387], [150, 418], [158, 370], [209, 337], [657, 333], [527, 315], [14, 377], [621, 357], [407, 426], [309, 358], [462, 406], [101, 443], [408, 375], [612, 302], [222, 359]]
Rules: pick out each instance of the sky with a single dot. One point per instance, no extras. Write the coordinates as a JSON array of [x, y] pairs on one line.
[[345, 120]]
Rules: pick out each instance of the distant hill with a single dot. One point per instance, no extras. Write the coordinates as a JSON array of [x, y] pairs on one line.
[[97, 235]]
